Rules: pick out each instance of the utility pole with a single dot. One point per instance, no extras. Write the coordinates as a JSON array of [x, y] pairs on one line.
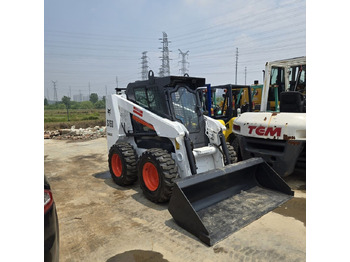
[[116, 80], [89, 89], [183, 70], [54, 91], [164, 70], [144, 66], [236, 64], [106, 89], [245, 76]]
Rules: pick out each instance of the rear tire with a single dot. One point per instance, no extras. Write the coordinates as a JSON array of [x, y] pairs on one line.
[[122, 163], [157, 171], [235, 145], [232, 153]]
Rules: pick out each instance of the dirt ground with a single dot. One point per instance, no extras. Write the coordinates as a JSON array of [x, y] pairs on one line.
[[100, 221]]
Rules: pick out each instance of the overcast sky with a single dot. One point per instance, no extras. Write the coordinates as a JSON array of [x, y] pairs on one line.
[[93, 42]]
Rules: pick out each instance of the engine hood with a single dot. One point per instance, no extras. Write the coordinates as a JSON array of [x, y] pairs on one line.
[[271, 125]]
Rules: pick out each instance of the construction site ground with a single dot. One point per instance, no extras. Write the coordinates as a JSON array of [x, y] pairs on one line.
[[101, 221]]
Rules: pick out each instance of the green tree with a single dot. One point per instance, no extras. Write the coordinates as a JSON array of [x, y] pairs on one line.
[[93, 98], [100, 104], [46, 102], [66, 102]]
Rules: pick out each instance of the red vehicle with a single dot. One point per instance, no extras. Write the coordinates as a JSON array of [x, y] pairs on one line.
[[51, 234]]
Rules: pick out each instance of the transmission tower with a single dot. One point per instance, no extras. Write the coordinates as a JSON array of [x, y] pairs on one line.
[[183, 70], [144, 66], [54, 90], [164, 70]]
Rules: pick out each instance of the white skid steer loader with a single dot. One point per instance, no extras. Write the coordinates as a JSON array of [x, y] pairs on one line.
[[157, 133]]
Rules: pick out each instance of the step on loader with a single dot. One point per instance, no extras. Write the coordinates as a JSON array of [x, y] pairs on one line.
[[157, 133]]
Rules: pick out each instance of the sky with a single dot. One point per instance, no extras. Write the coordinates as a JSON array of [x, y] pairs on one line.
[[91, 46]]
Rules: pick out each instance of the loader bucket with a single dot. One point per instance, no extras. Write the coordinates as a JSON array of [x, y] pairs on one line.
[[214, 204]]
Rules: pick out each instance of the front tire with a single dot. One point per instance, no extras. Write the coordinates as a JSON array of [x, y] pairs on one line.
[[122, 163], [157, 171]]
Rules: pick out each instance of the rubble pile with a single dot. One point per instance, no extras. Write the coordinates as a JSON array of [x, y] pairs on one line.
[[76, 134]]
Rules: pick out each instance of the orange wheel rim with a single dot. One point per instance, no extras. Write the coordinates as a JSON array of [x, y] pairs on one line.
[[117, 166], [150, 176]]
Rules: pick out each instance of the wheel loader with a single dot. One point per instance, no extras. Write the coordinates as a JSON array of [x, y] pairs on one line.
[[157, 133]]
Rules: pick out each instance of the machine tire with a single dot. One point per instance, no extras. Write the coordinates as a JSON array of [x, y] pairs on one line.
[[157, 171], [232, 153], [235, 145], [122, 160]]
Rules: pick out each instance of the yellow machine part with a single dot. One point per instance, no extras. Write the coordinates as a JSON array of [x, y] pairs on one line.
[[229, 127]]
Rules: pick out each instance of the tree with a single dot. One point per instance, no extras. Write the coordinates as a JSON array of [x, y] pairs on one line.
[[66, 102], [100, 104], [93, 98], [46, 102]]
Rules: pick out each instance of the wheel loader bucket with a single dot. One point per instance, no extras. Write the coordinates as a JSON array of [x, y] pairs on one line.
[[214, 204]]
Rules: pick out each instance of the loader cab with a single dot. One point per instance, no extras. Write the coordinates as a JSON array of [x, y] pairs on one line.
[[171, 97]]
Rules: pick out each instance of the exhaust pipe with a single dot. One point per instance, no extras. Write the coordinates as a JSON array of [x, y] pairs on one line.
[[214, 204]]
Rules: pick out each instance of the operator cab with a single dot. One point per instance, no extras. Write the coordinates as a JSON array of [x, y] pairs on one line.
[[171, 97], [287, 78]]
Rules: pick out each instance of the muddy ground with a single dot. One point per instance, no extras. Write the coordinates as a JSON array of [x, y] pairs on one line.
[[100, 221]]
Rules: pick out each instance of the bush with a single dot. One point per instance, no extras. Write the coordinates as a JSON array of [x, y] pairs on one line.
[[86, 105]]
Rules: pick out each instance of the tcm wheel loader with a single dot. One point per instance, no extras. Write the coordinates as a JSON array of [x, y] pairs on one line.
[[157, 133], [278, 132]]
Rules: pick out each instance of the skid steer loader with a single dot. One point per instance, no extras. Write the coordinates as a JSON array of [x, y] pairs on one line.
[[157, 133]]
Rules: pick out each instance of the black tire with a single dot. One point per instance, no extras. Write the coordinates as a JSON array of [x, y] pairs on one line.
[[157, 164], [122, 160], [235, 145], [232, 153]]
